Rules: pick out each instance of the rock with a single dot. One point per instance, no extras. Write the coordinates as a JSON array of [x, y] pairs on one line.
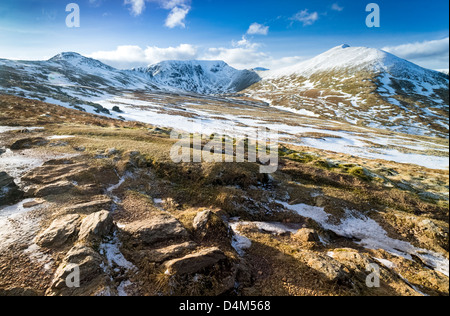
[[9, 191], [19, 292], [331, 269], [209, 226], [89, 264], [27, 143], [33, 203], [166, 253], [96, 226], [352, 259], [430, 196], [112, 152], [196, 262], [59, 231], [60, 187], [154, 230], [307, 235], [89, 207]]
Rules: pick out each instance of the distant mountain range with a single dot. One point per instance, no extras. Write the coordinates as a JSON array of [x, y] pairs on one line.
[[358, 85]]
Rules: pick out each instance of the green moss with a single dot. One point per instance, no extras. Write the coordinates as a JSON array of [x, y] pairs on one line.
[[360, 172]]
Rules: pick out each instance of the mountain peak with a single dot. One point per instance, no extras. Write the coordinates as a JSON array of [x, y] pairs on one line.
[[66, 56]]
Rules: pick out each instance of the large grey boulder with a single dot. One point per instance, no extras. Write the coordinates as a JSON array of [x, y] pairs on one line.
[[59, 231]]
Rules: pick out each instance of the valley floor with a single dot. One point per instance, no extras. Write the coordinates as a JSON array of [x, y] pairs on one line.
[[103, 194]]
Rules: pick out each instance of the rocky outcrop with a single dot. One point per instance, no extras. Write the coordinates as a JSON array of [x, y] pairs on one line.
[[9, 191], [59, 232]]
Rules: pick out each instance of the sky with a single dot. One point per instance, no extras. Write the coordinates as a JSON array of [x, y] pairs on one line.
[[245, 33]]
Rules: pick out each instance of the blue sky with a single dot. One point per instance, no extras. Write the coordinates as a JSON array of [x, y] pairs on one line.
[[250, 33]]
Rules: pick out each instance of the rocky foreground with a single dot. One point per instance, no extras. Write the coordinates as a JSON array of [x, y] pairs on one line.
[[102, 195]]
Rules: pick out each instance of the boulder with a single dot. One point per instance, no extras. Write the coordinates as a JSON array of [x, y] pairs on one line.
[[329, 268], [196, 262], [307, 235], [59, 231], [96, 226], [154, 230], [91, 276], [9, 191], [27, 143], [209, 226]]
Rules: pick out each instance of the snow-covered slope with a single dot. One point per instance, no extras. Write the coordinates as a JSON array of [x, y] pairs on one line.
[[203, 77], [362, 86], [67, 79]]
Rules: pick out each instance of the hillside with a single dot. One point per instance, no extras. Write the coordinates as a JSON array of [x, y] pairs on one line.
[[361, 86]]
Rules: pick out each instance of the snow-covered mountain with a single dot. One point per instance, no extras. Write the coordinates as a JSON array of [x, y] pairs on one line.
[[70, 79], [67, 79], [362, 86], [203, 77]]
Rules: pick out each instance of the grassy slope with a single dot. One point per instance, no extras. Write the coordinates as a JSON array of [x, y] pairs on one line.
[[239, 190]]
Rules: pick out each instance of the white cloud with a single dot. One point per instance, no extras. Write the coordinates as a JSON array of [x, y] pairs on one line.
[[244, 42], [258, 29], [431, 54], [137, 6], [134, 56], [337, 7], [242, 54], [179, 9], [177, 17], [305, 17]]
